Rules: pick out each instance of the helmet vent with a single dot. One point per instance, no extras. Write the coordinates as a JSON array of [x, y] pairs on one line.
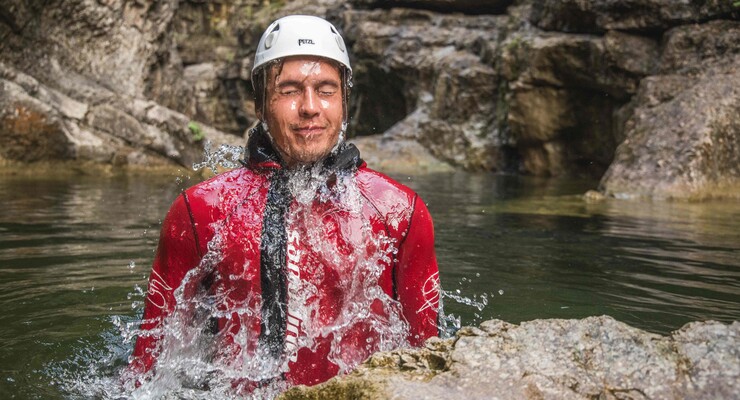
[[340, 43], [270, 39]]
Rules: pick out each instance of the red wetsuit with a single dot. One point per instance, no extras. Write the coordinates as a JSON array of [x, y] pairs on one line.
[[250, 275]]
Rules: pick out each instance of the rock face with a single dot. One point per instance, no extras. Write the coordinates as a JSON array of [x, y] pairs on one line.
[[596, 357], [633, 15], [553, 88], [428, 73], [640, 92], [683, 137], [74, 79], [39, 123]]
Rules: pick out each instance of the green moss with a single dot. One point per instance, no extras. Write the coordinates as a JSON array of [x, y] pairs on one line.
[[196, 131]]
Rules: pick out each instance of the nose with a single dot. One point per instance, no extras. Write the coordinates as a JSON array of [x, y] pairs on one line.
[[309, 104]]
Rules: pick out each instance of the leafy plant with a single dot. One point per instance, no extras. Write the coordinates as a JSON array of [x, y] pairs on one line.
[[196, 131]]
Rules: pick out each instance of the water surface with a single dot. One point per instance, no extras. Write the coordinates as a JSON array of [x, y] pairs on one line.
[[75, 255]]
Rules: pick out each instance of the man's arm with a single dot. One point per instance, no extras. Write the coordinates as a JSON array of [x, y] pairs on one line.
[[417, 276], [176, 254]]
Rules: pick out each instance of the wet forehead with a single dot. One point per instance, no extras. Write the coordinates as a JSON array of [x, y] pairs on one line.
[[302, 68]]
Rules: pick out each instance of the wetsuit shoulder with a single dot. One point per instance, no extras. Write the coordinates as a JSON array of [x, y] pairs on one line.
[[393, 201], [215, 197]]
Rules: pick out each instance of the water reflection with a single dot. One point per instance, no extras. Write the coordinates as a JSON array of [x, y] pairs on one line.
[[653, 265]]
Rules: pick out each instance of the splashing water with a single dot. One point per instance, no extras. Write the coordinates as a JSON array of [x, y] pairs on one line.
[[196, 362], [226, 156]]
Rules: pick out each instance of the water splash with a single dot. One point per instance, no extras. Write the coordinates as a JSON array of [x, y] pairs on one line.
[[340, 253], [196, 362], [226, 156]]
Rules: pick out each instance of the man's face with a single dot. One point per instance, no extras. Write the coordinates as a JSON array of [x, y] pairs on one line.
[[304, 108]]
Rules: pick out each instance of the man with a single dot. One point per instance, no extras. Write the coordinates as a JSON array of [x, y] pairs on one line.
[[302, 263]]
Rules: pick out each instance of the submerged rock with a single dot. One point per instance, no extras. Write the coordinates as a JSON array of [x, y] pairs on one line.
[[597, 357]]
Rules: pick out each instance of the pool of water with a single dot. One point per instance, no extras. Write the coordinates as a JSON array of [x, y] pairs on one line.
[[75, 254]]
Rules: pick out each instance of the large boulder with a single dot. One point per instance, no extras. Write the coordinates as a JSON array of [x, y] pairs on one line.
[[561, 114], [596, 357], [428, 73], [113, 43], [39, 123], [683, 136], [74, 76]]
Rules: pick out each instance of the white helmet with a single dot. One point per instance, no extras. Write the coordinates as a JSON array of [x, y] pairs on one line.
[[300, 35]]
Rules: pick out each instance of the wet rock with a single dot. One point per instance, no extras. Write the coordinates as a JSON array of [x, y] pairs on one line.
[[545, 88], [111, 42], [211, 103], [599, 16], [561, 114], [596, 357], [42, 124], [436, 83], [397, 155], [31, 130], [683, 135]]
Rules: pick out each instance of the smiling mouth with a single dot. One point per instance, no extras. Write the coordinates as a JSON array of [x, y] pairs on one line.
[[308, 130]]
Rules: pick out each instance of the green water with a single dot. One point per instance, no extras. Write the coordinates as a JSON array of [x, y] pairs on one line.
[[73, 251]]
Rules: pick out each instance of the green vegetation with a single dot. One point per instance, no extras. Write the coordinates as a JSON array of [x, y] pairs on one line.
[[196, 131]]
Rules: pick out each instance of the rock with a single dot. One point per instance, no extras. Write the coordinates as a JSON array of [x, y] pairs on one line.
[[31, 130], [111, 42], [596, 357], [689, 49], [444, 6], [44, 124], [683, 135], [397, 155], [598, 16], [122, 125], [536, 87], [425, 72], [561, 114], [212, 104]]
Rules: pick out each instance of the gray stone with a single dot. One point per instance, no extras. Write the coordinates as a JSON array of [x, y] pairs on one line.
[[30, 130], [397, 155], [682, 138], [429, 77], [596, 357], [119, 124], [687, 146], [688, 49], [631, 15], [537, 87]]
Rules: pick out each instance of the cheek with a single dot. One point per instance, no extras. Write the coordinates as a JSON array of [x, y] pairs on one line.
[[293, 106], [324, 104]]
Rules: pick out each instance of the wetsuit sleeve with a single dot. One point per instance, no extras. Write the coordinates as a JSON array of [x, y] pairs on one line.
[[417, 276], [176, 254]]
